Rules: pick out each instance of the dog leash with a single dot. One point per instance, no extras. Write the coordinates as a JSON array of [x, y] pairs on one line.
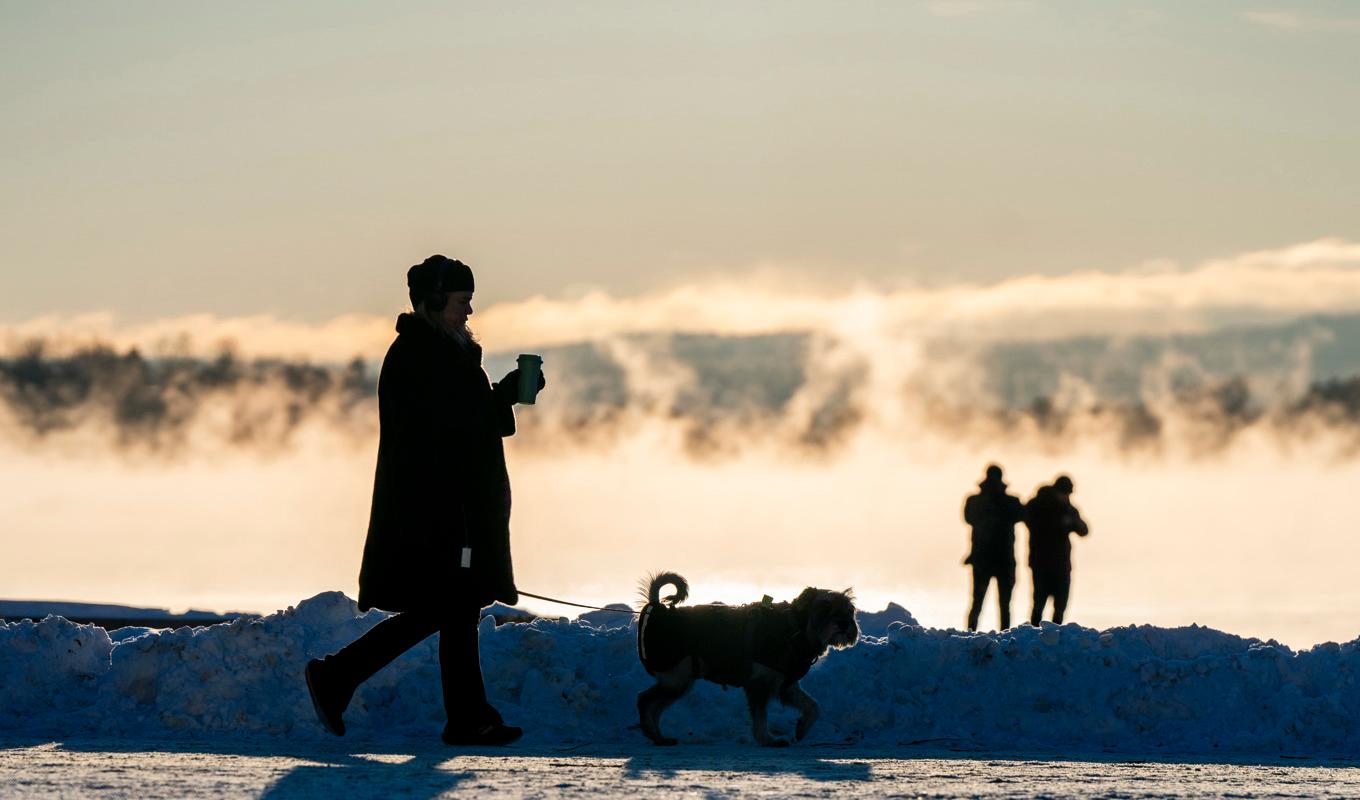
[[764, 601], [577, 605]]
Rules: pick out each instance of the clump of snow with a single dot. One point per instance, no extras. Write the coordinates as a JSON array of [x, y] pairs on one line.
[[503, 614], [614, 615], [49, 668], [1135, 688], [875, 623]]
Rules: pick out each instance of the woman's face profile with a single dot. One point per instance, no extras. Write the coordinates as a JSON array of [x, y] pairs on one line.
[[457, 310]]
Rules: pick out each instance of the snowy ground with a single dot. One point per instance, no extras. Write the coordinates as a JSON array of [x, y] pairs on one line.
[[222, 711], [285, 769], [1065, 689]]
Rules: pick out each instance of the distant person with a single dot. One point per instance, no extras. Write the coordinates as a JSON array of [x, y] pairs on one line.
[[992, 513], [438, 546], [1051, 517]]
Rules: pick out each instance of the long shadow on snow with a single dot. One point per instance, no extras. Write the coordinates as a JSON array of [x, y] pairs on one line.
[[356, 768], [328, 746], [353, 776], [332, 747], [353, 769], [739, 757]]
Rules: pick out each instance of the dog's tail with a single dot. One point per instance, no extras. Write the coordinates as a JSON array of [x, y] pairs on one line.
[[652, 585]]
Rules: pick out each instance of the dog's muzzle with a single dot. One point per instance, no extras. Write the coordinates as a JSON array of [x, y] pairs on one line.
[[846, 636]]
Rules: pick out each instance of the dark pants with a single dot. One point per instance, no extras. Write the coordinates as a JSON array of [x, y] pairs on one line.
[[1005, 582], [460, 668], [1046, 585]]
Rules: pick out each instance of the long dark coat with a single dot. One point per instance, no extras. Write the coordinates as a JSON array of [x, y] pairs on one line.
[[441, 482], [993, 513], [1050, 520]]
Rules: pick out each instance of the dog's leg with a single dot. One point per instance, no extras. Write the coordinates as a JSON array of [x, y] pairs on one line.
[[758, 692], [808, 710], [670, 686], [757, 699], [651, 702]]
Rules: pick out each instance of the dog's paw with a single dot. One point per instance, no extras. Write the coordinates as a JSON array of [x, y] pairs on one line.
[[665, 741], [776, 743]]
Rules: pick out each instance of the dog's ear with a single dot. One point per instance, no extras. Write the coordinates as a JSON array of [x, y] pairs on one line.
[[803, 602], [849, 593]]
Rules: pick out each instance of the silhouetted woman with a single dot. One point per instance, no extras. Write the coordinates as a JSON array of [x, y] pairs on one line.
[[438, 546]]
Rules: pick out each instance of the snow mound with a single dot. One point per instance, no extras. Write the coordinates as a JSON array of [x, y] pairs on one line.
[[1135, 688], [876, 623], [614, 615]]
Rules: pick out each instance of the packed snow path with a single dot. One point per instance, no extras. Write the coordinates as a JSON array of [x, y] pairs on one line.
[[1070, 689], [323, 770]]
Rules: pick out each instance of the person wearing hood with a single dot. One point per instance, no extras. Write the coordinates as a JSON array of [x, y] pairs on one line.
[[992, 514], [438, 544], [1051, 517]]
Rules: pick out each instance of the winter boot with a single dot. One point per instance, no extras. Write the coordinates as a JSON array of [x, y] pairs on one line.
[[490, 730], [329, 697]]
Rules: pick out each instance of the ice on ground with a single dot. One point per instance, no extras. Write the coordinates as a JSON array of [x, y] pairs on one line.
[[1136, 688]]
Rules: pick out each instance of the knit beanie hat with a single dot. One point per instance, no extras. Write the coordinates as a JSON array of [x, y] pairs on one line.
[[437, 274]]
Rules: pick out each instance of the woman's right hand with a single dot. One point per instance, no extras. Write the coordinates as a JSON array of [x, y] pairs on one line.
[[508, 387]]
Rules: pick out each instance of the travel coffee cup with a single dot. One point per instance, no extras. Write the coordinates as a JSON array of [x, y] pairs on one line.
[[530, 366]]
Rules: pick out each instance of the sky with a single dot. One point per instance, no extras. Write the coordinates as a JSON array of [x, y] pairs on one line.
[[881, 174], [162, 159]]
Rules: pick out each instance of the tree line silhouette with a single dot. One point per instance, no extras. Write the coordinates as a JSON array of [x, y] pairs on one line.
[[153, 403]]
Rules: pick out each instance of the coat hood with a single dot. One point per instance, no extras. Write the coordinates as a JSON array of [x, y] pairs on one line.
[[409, 324], [415, 327]]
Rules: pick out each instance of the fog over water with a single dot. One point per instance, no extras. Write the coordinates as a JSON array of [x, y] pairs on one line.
[[1214, 466]]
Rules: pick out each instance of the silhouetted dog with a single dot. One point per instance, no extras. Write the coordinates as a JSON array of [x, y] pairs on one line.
[[765, 648]]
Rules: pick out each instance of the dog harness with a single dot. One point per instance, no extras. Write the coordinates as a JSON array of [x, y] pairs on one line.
[[770, 635]]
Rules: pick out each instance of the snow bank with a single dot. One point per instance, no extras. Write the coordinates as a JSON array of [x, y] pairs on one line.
[[876, 623], [1137, 688]]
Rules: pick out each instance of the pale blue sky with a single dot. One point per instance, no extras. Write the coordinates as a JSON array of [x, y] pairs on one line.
[[158, 159]]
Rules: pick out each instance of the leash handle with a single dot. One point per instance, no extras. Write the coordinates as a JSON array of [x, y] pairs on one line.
[[577, 605]]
